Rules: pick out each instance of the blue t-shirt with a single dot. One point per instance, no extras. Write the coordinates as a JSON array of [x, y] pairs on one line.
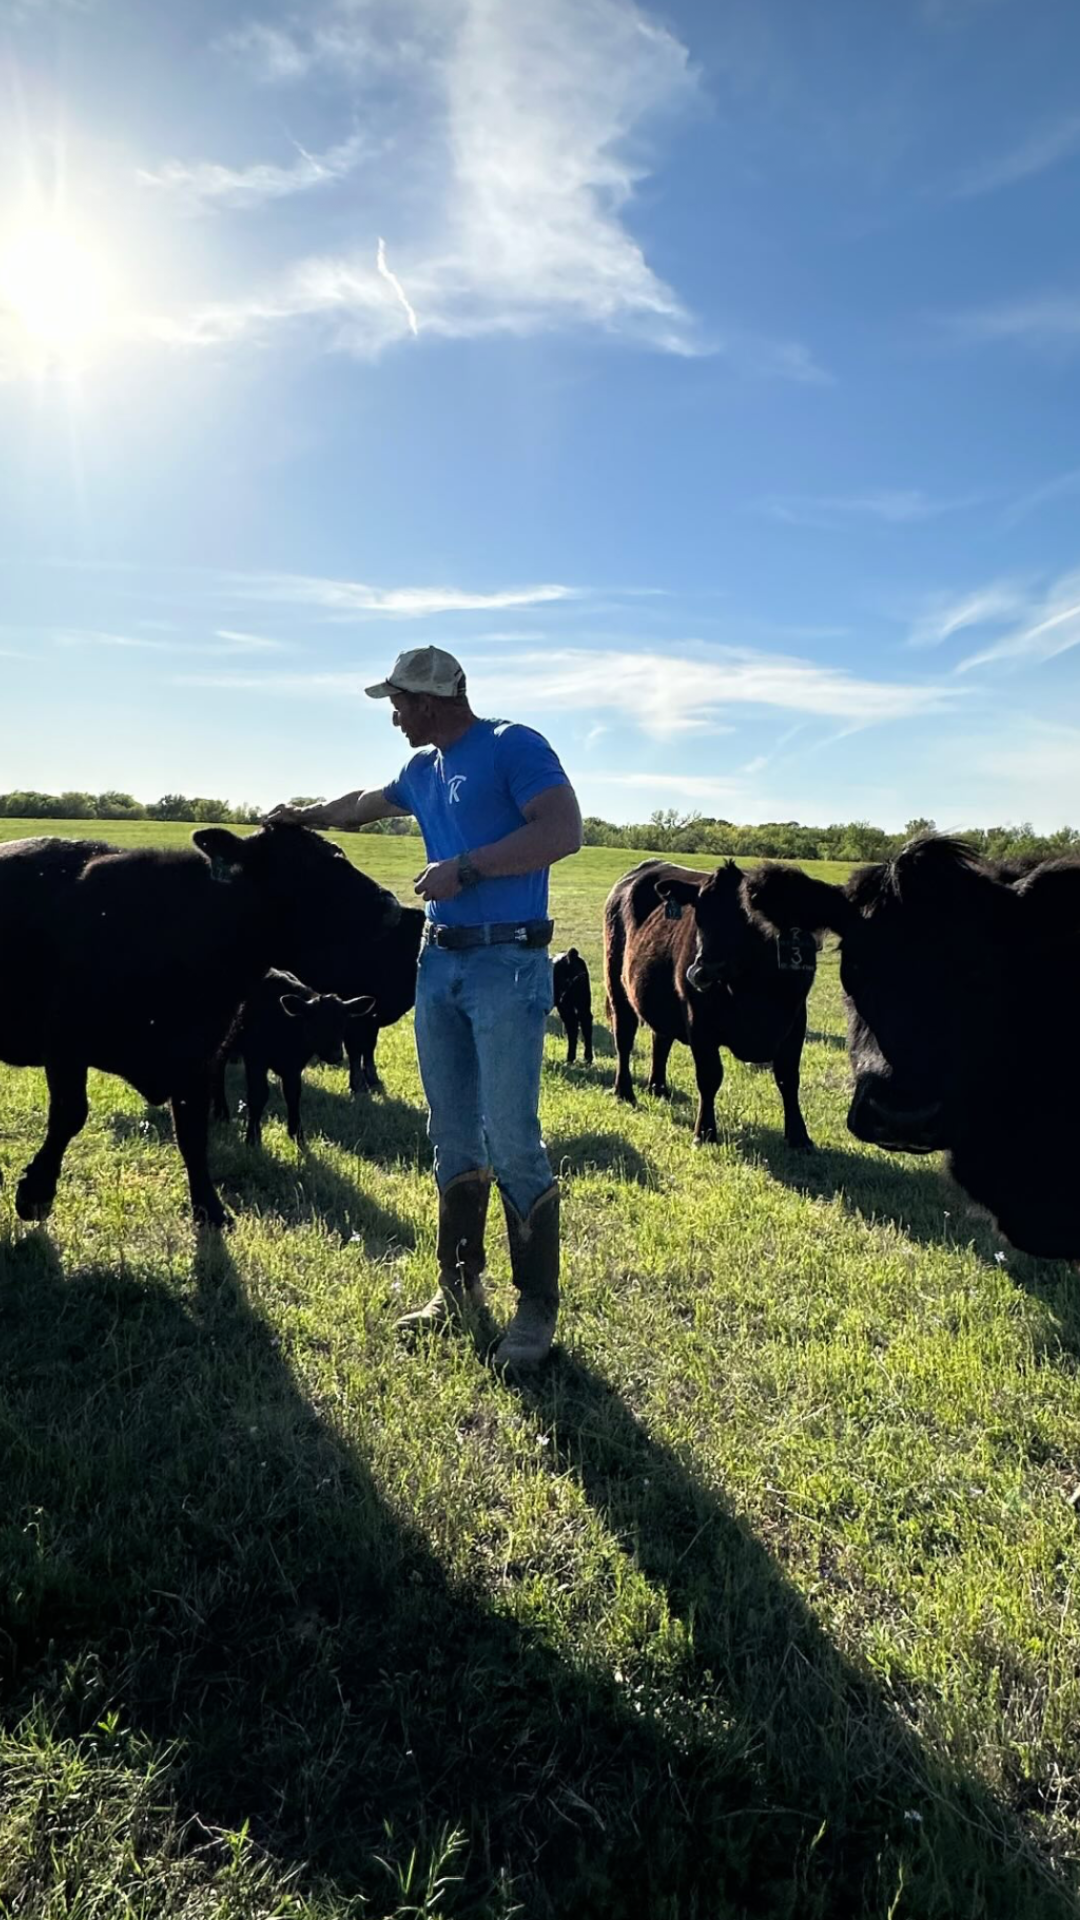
[[472, 794]]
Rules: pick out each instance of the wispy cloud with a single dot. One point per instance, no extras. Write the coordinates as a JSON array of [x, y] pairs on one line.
[[354, 597], [226, 641], [520, 138], [1046, 148], [392, 279], [204, 183], [661, 695], [895, 506], [1027, 503], [1050, 626], [1046, 321], [946, 615]]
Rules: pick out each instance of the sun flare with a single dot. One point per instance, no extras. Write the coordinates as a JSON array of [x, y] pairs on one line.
[[56, 290]]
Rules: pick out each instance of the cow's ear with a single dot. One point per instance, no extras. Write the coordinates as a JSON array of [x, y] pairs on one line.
[[784, 897], [359, 1007], [219, 844], [294, 1005]]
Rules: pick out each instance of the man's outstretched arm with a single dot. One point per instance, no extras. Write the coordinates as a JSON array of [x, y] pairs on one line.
[[352, 810]]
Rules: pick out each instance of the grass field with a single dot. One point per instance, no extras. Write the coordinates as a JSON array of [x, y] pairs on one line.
[[761, 1601]]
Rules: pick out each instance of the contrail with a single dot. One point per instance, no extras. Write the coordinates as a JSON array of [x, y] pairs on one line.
[[380, 262]]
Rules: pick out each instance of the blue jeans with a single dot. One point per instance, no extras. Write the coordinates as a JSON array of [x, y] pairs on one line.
[[480, 1017]]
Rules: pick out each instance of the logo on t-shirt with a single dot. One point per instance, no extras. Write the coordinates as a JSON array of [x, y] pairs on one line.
[[455, 784]]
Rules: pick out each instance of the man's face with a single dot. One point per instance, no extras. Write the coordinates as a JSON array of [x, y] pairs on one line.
[[412, 713]]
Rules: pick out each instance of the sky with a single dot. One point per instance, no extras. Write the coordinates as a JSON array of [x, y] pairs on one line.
[[706, 378]]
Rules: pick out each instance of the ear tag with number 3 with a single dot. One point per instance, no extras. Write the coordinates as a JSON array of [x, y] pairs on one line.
[[672, 909]]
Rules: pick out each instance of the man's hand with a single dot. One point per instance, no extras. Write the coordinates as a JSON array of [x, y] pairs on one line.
[[438, 881], [290, 817]]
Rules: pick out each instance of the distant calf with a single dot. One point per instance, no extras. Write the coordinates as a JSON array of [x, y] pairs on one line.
[[573, 1002], [283, 1026], [684, 953]]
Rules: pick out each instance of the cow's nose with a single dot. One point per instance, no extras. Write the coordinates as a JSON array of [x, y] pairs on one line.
[[881, 1119]]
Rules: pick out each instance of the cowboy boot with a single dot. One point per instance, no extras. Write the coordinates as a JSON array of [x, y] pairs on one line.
[[534, 1263], [463, 1206]]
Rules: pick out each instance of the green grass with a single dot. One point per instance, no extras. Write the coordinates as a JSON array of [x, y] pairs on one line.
[[760, 1602]]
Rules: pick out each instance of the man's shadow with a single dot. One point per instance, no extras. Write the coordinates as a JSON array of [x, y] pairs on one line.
[[185, 1541]]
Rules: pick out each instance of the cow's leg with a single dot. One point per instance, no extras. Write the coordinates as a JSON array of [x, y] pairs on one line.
[[221, 1097], [68, 1109], [662, 1044], [291, 1086], [570, 1022], [786, 1063], [191, 1122], [709, 1069], [371, 1071], [625, 1022], [258, 1093], [586, 1029]]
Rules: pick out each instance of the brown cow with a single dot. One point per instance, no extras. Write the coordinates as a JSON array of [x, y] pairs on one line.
[[683, 954]]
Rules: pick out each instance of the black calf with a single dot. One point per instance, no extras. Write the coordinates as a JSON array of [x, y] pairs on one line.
[[283, 1026], [573, 1002]]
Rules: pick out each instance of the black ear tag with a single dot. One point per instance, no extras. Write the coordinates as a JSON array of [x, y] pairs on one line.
[[222, 870], [672, 909], [796, 951]]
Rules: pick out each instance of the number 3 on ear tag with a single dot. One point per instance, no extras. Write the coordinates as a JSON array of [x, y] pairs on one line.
[[672, 909]]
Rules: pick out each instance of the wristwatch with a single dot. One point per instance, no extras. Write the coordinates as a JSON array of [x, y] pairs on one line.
[[468, 875]]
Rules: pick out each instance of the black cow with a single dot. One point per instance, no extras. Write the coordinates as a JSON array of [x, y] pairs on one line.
[[282, 1027], [343, 962], [136, 963], [573, 1003], [964, 1032], [684, 954]]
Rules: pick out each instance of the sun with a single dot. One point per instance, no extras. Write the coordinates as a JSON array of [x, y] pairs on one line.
[[56, 291]]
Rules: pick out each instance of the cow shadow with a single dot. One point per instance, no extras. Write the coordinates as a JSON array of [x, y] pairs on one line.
[[921, 1200], [152, 1124], [585, 1153], [384, 1129], [297, 1186], [837, 1041], [213, 1563]]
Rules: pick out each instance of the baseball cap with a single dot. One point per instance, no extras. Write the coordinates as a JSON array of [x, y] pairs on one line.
[[422, 670]]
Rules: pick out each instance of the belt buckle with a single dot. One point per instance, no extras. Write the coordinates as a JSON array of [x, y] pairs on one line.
[[521, 936]]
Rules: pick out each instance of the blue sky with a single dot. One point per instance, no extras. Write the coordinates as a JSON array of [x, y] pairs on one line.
[[706, 378]]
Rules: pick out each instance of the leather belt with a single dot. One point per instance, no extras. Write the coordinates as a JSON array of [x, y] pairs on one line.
[[521, 933]]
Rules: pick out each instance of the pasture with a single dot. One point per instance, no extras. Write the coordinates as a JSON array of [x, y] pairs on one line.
[[760, 1601]]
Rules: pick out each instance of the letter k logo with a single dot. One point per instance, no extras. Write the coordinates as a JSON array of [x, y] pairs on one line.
[[455, 784]]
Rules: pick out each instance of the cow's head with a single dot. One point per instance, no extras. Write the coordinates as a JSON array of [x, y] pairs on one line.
[[727, 942], [960, 981], [324, 1018], [304, 881]]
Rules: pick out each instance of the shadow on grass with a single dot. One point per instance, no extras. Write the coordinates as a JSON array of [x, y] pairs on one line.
[[601, 1153], [929, 1208], [835, 1040], [186, 1542]]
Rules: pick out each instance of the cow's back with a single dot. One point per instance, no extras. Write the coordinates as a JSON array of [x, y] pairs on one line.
[[647, 951], [38, 880]]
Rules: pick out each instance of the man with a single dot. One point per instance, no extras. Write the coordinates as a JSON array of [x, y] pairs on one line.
[[496, 811]]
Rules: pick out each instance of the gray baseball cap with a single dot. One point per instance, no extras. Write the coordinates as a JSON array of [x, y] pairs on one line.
[[422, 670]]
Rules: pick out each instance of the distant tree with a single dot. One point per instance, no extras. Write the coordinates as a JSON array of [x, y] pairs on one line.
[[171, 806], [118, 806], [305, 800]]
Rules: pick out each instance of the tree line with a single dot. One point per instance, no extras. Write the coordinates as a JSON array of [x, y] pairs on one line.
[[665, 831]]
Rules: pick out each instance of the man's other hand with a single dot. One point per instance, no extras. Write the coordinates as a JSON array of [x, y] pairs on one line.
[[438, 881]]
